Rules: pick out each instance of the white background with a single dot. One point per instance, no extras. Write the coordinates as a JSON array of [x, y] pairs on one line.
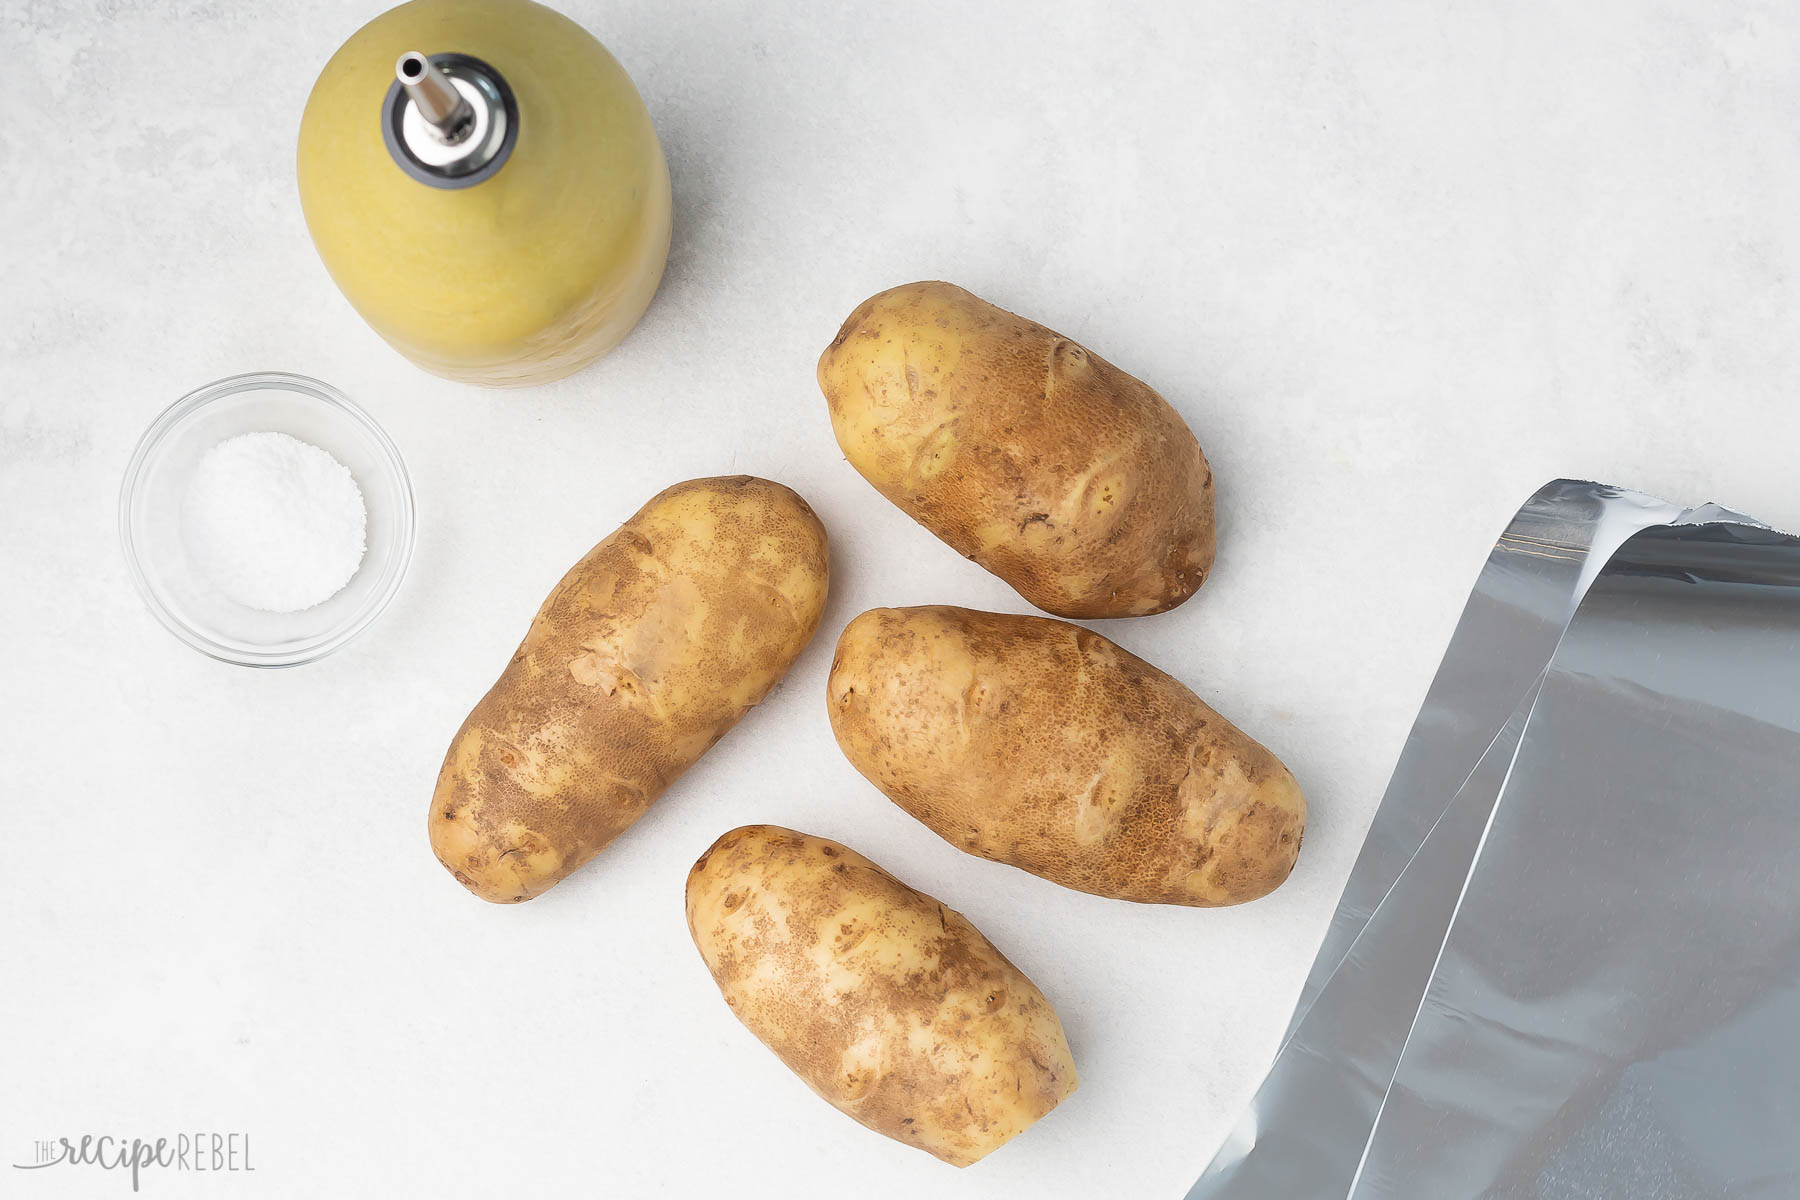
[[1397, 265]]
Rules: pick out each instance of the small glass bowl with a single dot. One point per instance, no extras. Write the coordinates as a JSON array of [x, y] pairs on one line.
[[156, 482]]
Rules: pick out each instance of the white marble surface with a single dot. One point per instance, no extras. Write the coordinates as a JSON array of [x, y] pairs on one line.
[[1397, 264]]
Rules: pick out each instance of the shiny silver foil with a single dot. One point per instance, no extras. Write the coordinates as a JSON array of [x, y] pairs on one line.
[[1567, 962]]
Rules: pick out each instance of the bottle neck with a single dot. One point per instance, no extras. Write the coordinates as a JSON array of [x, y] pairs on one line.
[[449, 120]]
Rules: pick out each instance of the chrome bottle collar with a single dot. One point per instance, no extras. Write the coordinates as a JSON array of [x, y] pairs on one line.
[[449, 120]]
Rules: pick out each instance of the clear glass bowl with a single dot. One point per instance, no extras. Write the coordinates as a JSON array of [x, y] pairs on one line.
[[157, 479]]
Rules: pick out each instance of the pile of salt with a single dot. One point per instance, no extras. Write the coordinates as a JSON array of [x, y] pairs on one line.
[[275, 523]]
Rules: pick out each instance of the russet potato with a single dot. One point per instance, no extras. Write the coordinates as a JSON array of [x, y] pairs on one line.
[[1038, 743], [1071, 480], [648, 651], [892, 1007]]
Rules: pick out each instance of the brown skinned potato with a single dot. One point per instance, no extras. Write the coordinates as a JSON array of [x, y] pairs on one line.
[[650, 648], [887, 1004], [1041, 744], [1074, 482]]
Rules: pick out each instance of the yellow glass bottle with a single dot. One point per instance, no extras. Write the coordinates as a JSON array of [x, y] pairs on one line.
[[486, 187]]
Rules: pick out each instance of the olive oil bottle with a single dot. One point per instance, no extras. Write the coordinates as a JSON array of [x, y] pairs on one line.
[[485, 185]]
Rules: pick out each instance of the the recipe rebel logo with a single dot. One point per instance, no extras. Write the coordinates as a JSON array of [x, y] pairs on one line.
[[191, 1152]]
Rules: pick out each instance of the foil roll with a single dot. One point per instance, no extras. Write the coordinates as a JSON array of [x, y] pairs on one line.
[[1568, 958]]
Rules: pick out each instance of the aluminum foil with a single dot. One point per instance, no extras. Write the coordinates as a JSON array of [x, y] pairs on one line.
[[1573, 937]]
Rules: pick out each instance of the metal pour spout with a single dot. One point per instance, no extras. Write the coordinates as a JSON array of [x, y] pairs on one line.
[[450, 116], [449, 120]]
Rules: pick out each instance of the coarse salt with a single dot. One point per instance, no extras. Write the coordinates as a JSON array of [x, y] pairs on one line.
[[275, 523]]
